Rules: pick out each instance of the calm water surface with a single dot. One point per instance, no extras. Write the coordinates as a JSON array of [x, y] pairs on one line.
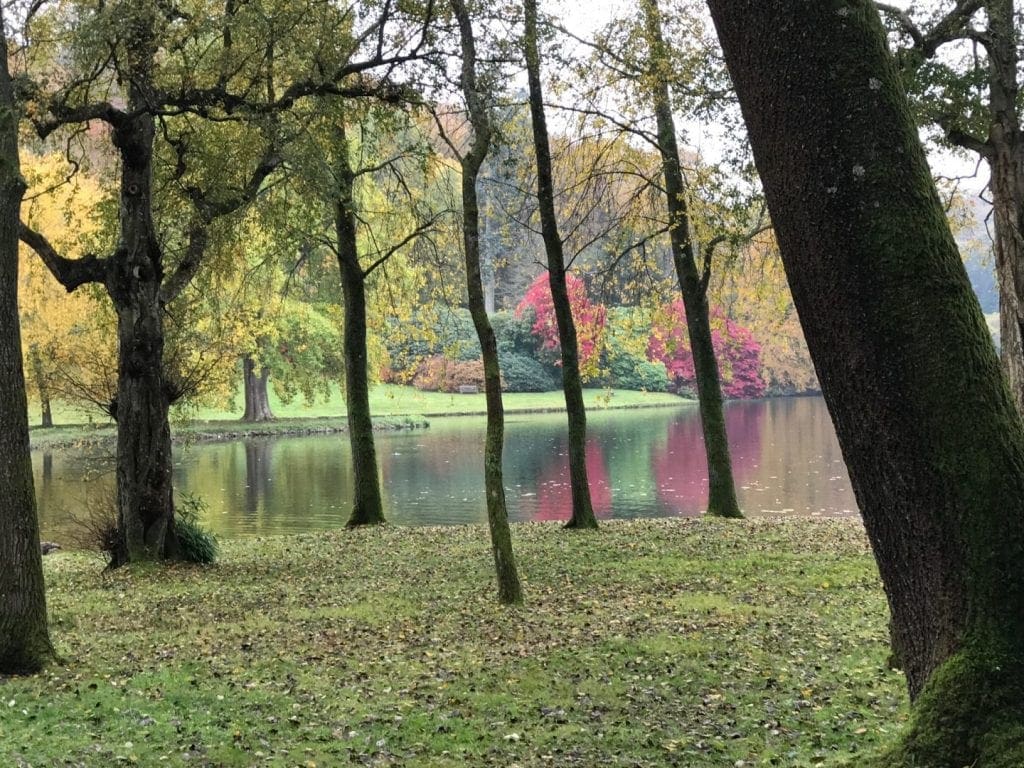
[[641, 463]]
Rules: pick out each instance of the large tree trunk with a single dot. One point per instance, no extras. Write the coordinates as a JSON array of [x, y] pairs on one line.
[[510, 590], [367, 507], [257, 395], [144, 494], [24, 638], [930, 435], [572, 386], [721, 487]]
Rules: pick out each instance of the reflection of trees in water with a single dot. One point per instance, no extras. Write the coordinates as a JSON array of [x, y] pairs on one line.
[[554, 492], [680, 465], [258, 471], [66, 481]]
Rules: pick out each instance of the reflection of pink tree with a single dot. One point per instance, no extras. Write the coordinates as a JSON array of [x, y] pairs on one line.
[[680, 466], [554, 494]]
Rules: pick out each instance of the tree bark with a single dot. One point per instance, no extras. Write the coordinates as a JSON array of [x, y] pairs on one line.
[[367, 506], [572, 386], [721, 487], [24, 636], [928, 429], [144, 493], [510, 590], [257, 395], [1005, 158], [46, 412]]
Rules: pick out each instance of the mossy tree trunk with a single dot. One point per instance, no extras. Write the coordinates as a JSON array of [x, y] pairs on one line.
[[24, 637], [510, 590], [582, 506], [927, 426], [257, 393], [367, 507], [693, 283]]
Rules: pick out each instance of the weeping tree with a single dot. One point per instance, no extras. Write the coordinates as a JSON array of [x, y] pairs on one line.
[[471, 161], [928, 428], [24, 636], [145, 61], [582, 506]]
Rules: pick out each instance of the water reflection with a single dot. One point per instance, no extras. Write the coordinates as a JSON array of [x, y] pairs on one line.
[[640, 463]]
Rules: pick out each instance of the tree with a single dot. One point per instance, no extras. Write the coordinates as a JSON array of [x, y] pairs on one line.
[[693, 284], [928, 429], [588, 317], [582, 507], [510, 590], [949, 91], [24, 636], [733, 344], [208, 84]]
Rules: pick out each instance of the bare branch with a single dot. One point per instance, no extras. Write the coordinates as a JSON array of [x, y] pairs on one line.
[[71, 273]]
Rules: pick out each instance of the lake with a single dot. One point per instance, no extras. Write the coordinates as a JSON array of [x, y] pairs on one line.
[[641, 463]]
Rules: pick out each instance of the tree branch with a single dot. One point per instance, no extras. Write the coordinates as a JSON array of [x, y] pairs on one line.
[[71, 273]]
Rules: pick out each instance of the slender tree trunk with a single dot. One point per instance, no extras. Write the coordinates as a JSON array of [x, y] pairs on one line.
[[257, 395], [582, 506], [367, 509], [510, 590], [930, 435], [1005, 157], [24, 637], [42, 387], [144, 493], [721, 487]]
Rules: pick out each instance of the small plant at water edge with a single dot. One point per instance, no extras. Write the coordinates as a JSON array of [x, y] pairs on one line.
[[197, 544]]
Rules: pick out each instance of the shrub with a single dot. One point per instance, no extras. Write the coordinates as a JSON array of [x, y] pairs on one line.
[[514, 333], [588, 316], [628, 371], [739, 355], [439, 374], [96, 530], [525, 374]]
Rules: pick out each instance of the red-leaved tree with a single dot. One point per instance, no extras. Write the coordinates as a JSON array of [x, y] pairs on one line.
[[739, 355], [589, 318]]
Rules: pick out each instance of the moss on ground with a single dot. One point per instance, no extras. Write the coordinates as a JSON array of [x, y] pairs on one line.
[[650, 643]]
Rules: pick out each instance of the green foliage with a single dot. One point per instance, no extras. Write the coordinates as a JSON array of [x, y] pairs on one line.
[[197, 544], [630, 371], [527, 374]]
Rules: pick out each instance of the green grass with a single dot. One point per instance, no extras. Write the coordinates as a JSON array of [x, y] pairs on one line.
[[649, 643], [393, 407]]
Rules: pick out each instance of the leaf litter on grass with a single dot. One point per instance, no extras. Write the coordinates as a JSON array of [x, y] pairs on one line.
[[648, 643]]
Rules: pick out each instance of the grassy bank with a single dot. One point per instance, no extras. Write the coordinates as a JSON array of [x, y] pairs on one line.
[[688, 643], [394, 407]]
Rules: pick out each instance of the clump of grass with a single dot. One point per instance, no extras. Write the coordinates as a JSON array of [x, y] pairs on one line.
[[198, 545]]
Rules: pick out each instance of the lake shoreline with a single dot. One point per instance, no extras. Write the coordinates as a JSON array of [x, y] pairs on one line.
[[85, 435]]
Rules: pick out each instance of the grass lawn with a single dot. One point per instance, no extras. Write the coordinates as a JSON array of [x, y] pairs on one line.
[[650, 643], [392, 406]]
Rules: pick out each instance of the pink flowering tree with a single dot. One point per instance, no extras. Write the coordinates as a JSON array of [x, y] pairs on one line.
[[739, 355], [589, 318]]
